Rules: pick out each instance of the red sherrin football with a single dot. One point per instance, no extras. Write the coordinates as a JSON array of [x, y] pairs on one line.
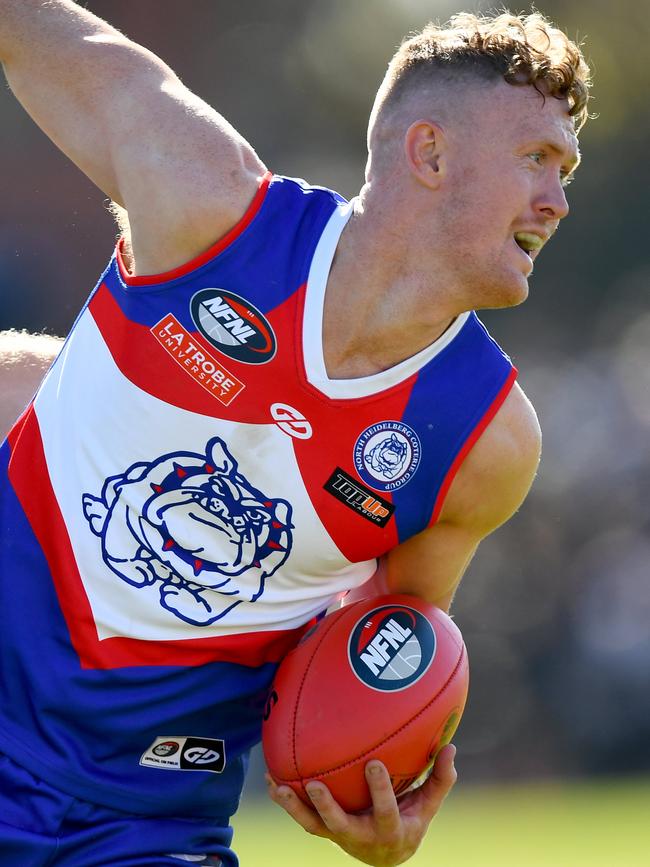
[[383, 678]]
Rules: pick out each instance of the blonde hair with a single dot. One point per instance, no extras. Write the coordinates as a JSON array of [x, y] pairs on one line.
[[522, 49]]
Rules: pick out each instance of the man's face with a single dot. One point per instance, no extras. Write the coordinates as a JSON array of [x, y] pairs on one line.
[[508, 164]]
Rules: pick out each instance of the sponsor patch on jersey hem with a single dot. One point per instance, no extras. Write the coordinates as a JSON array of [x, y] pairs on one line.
[[186, 754], [360, 499]]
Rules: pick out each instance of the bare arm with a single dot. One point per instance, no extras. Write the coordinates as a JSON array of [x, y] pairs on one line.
[[184, 175], [24, 360], [489, 488]]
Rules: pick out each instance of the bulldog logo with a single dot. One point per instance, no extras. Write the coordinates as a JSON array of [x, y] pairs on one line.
[[387, 457], [195, 526]]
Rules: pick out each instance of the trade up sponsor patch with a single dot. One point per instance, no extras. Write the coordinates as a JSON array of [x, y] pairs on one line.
[[391, 647], [196, 361], [233, 326], [360, 499]]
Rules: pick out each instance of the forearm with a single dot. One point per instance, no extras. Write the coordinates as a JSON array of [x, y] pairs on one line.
[[376, 585], [24, 360]]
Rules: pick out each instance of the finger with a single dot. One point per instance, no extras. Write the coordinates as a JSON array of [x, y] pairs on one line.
[[443, 769], [307, 818], [385, 809], [332, 814], [441, 780]]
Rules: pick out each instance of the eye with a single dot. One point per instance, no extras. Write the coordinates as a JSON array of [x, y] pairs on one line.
[[566, 178], [537, 157]]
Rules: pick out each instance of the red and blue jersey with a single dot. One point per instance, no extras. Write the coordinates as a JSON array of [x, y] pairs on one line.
[[189, 488]]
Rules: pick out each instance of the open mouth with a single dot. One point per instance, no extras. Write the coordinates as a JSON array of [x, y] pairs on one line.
[[528, 243]]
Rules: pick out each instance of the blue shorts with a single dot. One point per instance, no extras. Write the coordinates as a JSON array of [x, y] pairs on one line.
[[43, 827]]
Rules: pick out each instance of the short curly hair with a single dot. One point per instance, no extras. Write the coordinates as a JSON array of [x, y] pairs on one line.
[[521, 49]]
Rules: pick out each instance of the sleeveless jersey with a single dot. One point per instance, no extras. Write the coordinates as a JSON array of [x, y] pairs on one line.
[[189, 489]]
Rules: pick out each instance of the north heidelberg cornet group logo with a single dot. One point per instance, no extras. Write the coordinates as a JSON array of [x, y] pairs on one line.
[[387, 454], [391, 647], [233, 326]]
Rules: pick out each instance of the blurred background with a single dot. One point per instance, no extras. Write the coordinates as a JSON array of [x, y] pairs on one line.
[[556, 607]]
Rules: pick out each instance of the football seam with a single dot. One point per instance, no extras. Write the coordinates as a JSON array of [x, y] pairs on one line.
[[330, 626], [390, 737]]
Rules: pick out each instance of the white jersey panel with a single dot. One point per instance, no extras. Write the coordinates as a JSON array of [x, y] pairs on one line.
[[182, 525]]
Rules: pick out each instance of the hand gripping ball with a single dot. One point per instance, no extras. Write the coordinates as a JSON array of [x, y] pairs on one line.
[[383, 678]]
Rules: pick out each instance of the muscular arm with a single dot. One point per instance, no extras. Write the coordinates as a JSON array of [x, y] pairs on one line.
[[184, 175], [489, 488], [24, 360]]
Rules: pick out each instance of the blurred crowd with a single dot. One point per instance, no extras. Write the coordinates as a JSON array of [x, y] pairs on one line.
[[555, 608]]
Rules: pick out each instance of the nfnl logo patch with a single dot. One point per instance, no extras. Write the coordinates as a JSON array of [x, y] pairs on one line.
[[233, 325], [391, 647], [360, 499]]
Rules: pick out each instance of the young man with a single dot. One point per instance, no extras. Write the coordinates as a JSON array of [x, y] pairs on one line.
[[174, 506]]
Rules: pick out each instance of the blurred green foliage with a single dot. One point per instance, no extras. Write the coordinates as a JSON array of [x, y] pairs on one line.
[[524, 826]]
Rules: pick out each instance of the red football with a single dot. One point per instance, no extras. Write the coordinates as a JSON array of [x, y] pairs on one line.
[[383, 678]]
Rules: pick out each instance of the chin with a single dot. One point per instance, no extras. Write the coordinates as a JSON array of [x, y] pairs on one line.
[[516, 297], [506, 294]]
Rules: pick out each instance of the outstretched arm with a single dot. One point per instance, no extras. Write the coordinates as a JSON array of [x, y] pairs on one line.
[[184, 175]]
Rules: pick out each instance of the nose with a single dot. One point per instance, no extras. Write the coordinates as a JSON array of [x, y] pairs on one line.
[[552, 201]]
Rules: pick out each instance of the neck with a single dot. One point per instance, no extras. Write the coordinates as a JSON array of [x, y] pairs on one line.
[[385, 301]]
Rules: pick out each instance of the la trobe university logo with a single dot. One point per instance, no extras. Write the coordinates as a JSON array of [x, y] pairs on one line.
[[232, 325], [391, 647]]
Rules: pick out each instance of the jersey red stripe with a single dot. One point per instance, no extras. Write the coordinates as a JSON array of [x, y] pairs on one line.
[[202, 258], [469, 443]]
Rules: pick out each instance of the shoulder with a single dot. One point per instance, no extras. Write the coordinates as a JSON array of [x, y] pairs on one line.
[[497, 474]]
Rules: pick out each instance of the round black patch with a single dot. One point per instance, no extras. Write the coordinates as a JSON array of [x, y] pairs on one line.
[[167, 748], [232, 325], [391, 647]]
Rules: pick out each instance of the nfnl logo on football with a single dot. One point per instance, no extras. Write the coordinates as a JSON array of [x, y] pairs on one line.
[[195, 360], [391, 647]]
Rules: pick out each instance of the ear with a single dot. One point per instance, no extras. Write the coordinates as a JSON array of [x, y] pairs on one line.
[[424, 148], [219, 457]]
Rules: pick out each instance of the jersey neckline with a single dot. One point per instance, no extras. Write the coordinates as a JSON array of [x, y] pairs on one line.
[[312, 341]]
